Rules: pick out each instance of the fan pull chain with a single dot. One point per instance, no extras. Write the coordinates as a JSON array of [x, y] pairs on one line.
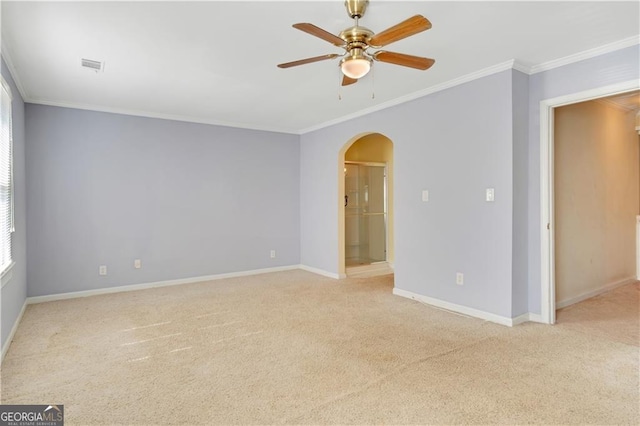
[[373, 82], [339, 81]]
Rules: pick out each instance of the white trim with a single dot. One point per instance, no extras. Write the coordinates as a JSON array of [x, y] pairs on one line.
[[547, 277], [7, 343], [511, 64], [6, 87], [591, 94], [459, 309], [134, 287], [119, 289], [518, 66], [321, 272], [521, 319], [6, 55], [586, 54], [415, 95], [163, 116], [547, 246], [588, 295], [536, 318], [6, 274]]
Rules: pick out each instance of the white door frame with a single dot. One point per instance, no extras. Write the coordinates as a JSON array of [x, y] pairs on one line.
[[547, 235]]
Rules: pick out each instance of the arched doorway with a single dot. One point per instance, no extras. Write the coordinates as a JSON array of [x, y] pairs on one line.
[[365, 218]]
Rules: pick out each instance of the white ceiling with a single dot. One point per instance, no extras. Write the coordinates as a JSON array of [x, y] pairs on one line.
[[215, 62]]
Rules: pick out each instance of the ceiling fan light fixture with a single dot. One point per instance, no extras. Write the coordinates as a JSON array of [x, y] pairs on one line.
[[356, 65], [356, 40]]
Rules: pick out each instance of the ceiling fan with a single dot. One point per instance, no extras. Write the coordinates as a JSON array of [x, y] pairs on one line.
[[357, 40]]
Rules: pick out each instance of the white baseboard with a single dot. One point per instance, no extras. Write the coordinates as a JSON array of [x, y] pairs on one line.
[[321, 272], [464, 310], [119, 289], [134, 287], [536, 318], [527, 317], [521, 318], [593, 293], [6, 345]]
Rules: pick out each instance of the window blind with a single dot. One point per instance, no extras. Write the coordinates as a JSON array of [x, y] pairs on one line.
[[6, 177]]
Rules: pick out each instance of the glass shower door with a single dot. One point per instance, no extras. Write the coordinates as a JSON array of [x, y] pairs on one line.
[[365, 213]]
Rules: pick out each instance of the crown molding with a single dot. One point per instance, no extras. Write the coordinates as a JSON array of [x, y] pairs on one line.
[[586, 54], [519, 66], [6, 55], [419, 94], [162, 116], [511, 64]]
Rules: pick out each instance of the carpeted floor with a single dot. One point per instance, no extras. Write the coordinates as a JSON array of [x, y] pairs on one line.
[[296, 348]]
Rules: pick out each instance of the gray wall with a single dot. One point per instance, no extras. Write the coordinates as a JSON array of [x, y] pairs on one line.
[[187, 199], [14, 293], [615, 67], [455, 143]]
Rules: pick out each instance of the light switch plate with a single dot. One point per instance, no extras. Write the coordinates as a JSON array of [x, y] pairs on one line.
[[490, 195], [425, 195]]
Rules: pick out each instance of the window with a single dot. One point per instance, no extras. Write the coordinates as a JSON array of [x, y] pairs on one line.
[[6, 177]]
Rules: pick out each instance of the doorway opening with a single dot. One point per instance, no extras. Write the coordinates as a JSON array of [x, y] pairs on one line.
[[365, 188], [548, 188]]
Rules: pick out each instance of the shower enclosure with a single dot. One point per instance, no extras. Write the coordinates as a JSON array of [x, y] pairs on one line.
[[365, 215]]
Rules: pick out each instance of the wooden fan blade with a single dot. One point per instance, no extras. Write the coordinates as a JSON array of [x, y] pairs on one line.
[[320, 33], [406, 28], [404, 60], [348, 80], [307, 61]]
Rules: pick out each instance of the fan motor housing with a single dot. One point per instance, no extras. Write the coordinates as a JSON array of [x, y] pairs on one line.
[[358, 36]]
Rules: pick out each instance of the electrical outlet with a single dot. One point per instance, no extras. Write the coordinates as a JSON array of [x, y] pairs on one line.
[[272, 254], [102, 270], [137, 264], [460, 278]]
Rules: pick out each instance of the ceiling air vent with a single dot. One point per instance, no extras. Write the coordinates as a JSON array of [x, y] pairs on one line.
[[92, 65]]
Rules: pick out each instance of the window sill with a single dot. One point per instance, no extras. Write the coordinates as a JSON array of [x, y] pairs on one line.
[[6, 275]]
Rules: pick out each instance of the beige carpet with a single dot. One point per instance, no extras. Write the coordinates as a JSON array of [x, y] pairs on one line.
[[297, 348], [613, 315]]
